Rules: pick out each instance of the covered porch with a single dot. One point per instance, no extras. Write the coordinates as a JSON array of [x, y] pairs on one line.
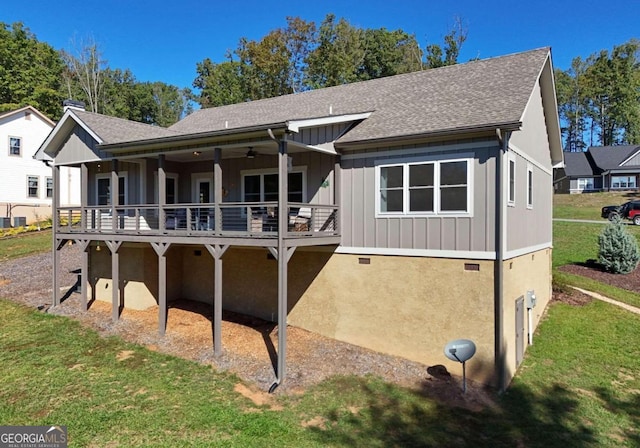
[[220, 200]]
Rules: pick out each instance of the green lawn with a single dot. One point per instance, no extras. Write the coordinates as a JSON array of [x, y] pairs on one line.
[[579, 386], [25, 244], [587, 205]]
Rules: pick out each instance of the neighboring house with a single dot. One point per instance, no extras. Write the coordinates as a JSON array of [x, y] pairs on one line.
[[26, 184], [600, 168], [396, 214]]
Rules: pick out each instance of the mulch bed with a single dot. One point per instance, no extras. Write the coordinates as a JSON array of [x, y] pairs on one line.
[[591, 269]]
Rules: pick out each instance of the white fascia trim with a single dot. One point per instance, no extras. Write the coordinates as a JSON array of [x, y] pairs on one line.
[[624, 162], [422, 150], [296, 125], [462, 254], [79, 162], [527, 250], [328, 149], [528, 158]]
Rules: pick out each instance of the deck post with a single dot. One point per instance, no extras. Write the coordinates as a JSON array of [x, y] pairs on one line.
[[216, 252], [114, 246], [84, 195], [84, 273], [162, 192], [217, 190], [161, 251], [55, 223], [283, 227], [337, 192], [115, 194]]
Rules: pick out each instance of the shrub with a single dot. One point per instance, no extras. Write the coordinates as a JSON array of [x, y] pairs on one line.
[[619, 251]]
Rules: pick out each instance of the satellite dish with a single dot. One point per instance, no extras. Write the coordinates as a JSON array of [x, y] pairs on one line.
[[461, 350]]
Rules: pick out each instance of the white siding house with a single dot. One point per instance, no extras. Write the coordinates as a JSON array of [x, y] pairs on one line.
[[26, 184]]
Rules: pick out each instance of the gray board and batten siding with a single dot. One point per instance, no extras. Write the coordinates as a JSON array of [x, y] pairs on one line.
[[531, 226], [362, 229]]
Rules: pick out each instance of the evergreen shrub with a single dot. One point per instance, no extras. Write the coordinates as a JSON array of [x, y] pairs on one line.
[[619, 251]]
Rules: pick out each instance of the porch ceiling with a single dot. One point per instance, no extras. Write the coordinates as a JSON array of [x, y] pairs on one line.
[[260, 149]]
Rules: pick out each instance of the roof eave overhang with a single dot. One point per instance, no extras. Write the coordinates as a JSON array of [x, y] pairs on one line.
[[432, 135], [296, 125], [177, 141]]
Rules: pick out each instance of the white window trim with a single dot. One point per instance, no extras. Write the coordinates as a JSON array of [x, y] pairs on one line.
[[156, 190], [296, 169], [627, 179], [530, 190], [196, 178], [37, 178], [436, 160], [511, 201], [9, 146], [46, 187], [123, 174]]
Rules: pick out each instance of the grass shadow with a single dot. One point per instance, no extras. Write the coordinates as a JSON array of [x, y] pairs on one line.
[[400, 418]]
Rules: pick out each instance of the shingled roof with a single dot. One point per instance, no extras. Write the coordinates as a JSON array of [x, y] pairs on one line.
[[112, 129], [577, 164], [465, 96], [610, 157]]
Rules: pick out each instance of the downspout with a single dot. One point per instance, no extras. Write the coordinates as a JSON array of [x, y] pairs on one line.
[[499, 352]]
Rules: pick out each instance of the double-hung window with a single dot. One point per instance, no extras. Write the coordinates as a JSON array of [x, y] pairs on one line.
[[32, 186], [49, 187], [14, 146], [439, 187]]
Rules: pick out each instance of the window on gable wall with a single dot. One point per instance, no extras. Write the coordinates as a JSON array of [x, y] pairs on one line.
[[512, 180], [14, 146], [424, 188], [529, 186]]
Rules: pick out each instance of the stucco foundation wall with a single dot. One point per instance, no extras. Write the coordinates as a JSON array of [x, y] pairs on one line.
[[138, 276], [406, 306], [531, 272]]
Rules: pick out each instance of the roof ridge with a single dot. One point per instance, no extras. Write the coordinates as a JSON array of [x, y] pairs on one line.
[[385, 79]]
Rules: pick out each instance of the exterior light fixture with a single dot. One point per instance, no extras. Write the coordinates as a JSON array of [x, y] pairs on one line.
[[196, 153], [250, 153]]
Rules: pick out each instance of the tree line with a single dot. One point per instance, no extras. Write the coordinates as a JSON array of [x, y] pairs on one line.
[[599, 98], [34, 73], [302, 56], [298, 57]]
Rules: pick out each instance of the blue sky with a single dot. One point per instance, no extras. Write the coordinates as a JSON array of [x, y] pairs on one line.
[[163, 40]]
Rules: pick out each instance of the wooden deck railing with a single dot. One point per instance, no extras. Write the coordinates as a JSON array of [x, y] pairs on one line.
[[241, 219]]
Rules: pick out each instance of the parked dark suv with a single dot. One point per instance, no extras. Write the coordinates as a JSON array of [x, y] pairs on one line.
[[628, 210]]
